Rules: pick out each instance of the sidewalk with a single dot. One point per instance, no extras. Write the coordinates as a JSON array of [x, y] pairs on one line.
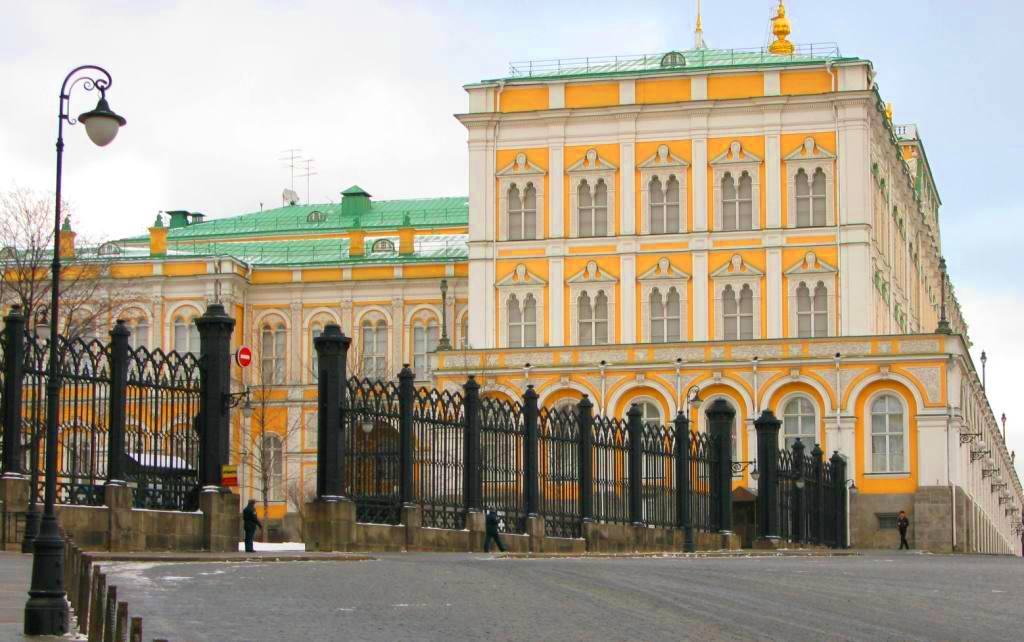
[[15, 576]]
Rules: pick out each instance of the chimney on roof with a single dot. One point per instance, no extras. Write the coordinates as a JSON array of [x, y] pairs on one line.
[[67, 240], [179, 218], [406, 236], [355, 201], [158, 237]]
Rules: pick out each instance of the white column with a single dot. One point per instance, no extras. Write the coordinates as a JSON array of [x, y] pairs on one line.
[[855, 288], [773, 279], [556, 301], [700, 296], [556, 170], [627, 200], [773, 183], [298, 336], [699, 167], [401, 331], [627, 290]]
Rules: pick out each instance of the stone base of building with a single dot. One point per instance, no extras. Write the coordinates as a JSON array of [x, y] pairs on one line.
[[931, 511]]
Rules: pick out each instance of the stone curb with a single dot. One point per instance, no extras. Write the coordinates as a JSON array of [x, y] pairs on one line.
[[704, 554], [100, 556]]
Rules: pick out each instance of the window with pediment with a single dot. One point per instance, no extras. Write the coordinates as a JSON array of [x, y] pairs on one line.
[[591, 196], [592, 306], [521, 301], [809, 180], [663, 193], [663, 292], [520, 206], [737, 300], [736, 189], [811, 292]]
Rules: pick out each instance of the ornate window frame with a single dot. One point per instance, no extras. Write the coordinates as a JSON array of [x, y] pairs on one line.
[[591, 168], [520, 173], [664, 276], [815, 412], [810, 156], [663, 164], [591, 279], [811, 269], [737, 273], [735, 160], [869, 463], [520, 282]]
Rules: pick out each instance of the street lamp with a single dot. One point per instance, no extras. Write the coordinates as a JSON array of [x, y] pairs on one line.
[[692, 397], [984, 360], [443, 343], [46, 612]]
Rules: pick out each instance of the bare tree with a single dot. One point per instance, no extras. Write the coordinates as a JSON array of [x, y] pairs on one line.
[[26, 254], [264, 446]]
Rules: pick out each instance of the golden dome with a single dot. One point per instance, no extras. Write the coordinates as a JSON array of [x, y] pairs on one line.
[[780, 29]]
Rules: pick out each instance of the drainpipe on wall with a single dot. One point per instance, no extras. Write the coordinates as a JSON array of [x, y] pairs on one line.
[[949, 479], [497, 222]]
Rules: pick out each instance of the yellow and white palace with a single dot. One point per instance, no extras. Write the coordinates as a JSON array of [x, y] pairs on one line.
[[750, 222]]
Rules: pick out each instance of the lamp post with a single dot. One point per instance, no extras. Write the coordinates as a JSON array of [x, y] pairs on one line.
[[943, 326], [984, 360], [46, 612], [443, 343]]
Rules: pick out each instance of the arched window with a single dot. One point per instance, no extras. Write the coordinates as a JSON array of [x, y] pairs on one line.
[[737, 204], [812, 312], [650, 412], [382, 246], [273, 340], [271, 468], [186, 334], [464, 332], [738, 316], [799, 421], [522, 213], [593, 209], [138, 325], [315, 330], [810, 199], [803, 199], [663, 206], [316, 216], [818, 200], [424, 341], [887, 434], [375, 349], [592, 317], [522, 321], [665, 315]]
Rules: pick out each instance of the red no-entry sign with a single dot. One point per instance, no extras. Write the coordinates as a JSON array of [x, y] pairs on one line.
[[244, 356]]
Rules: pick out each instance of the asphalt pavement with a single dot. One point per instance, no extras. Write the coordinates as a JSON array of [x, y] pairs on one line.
[[875, 596]]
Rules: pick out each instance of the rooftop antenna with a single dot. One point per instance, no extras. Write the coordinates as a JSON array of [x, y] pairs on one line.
[[290, 158], [307, 172]]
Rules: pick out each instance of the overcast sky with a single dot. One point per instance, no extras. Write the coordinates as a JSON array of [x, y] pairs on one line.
[[215, 91]]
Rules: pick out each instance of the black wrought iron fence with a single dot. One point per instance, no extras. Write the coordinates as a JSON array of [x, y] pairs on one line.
[[161, 445], [438, 466], [703, 462], [659, 480], [371, 437], [502, 447], [559, 471], [611, 470], [784, 496], [810, 497]]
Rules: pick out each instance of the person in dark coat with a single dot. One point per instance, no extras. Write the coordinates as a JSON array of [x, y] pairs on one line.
[[903, 523], [492, 532], [250, 523]]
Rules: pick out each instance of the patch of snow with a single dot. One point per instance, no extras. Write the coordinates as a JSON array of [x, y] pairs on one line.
[[275, 546]]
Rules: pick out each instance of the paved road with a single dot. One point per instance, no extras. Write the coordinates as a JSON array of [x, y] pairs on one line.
[[475, 597]]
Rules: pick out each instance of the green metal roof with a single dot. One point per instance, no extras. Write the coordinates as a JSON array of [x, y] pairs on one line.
[[668, 62], [300, 219], [306, 252]]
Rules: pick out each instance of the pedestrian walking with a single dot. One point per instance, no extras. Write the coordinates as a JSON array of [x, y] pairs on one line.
[[903, 523], [250, 523], [492, 532]]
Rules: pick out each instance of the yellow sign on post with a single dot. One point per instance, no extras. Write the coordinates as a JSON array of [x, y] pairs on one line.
[[229, 475]]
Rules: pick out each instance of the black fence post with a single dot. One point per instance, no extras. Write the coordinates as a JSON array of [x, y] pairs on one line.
[[471, 490], [118, 402], [819, 494], [767, 426], [213, 423], [331, 349], [798, 502], [720, 419], [635, 421], [406, 400], [585, 426], [839, 497], [14, 363], [531, 457], [684, 519]]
